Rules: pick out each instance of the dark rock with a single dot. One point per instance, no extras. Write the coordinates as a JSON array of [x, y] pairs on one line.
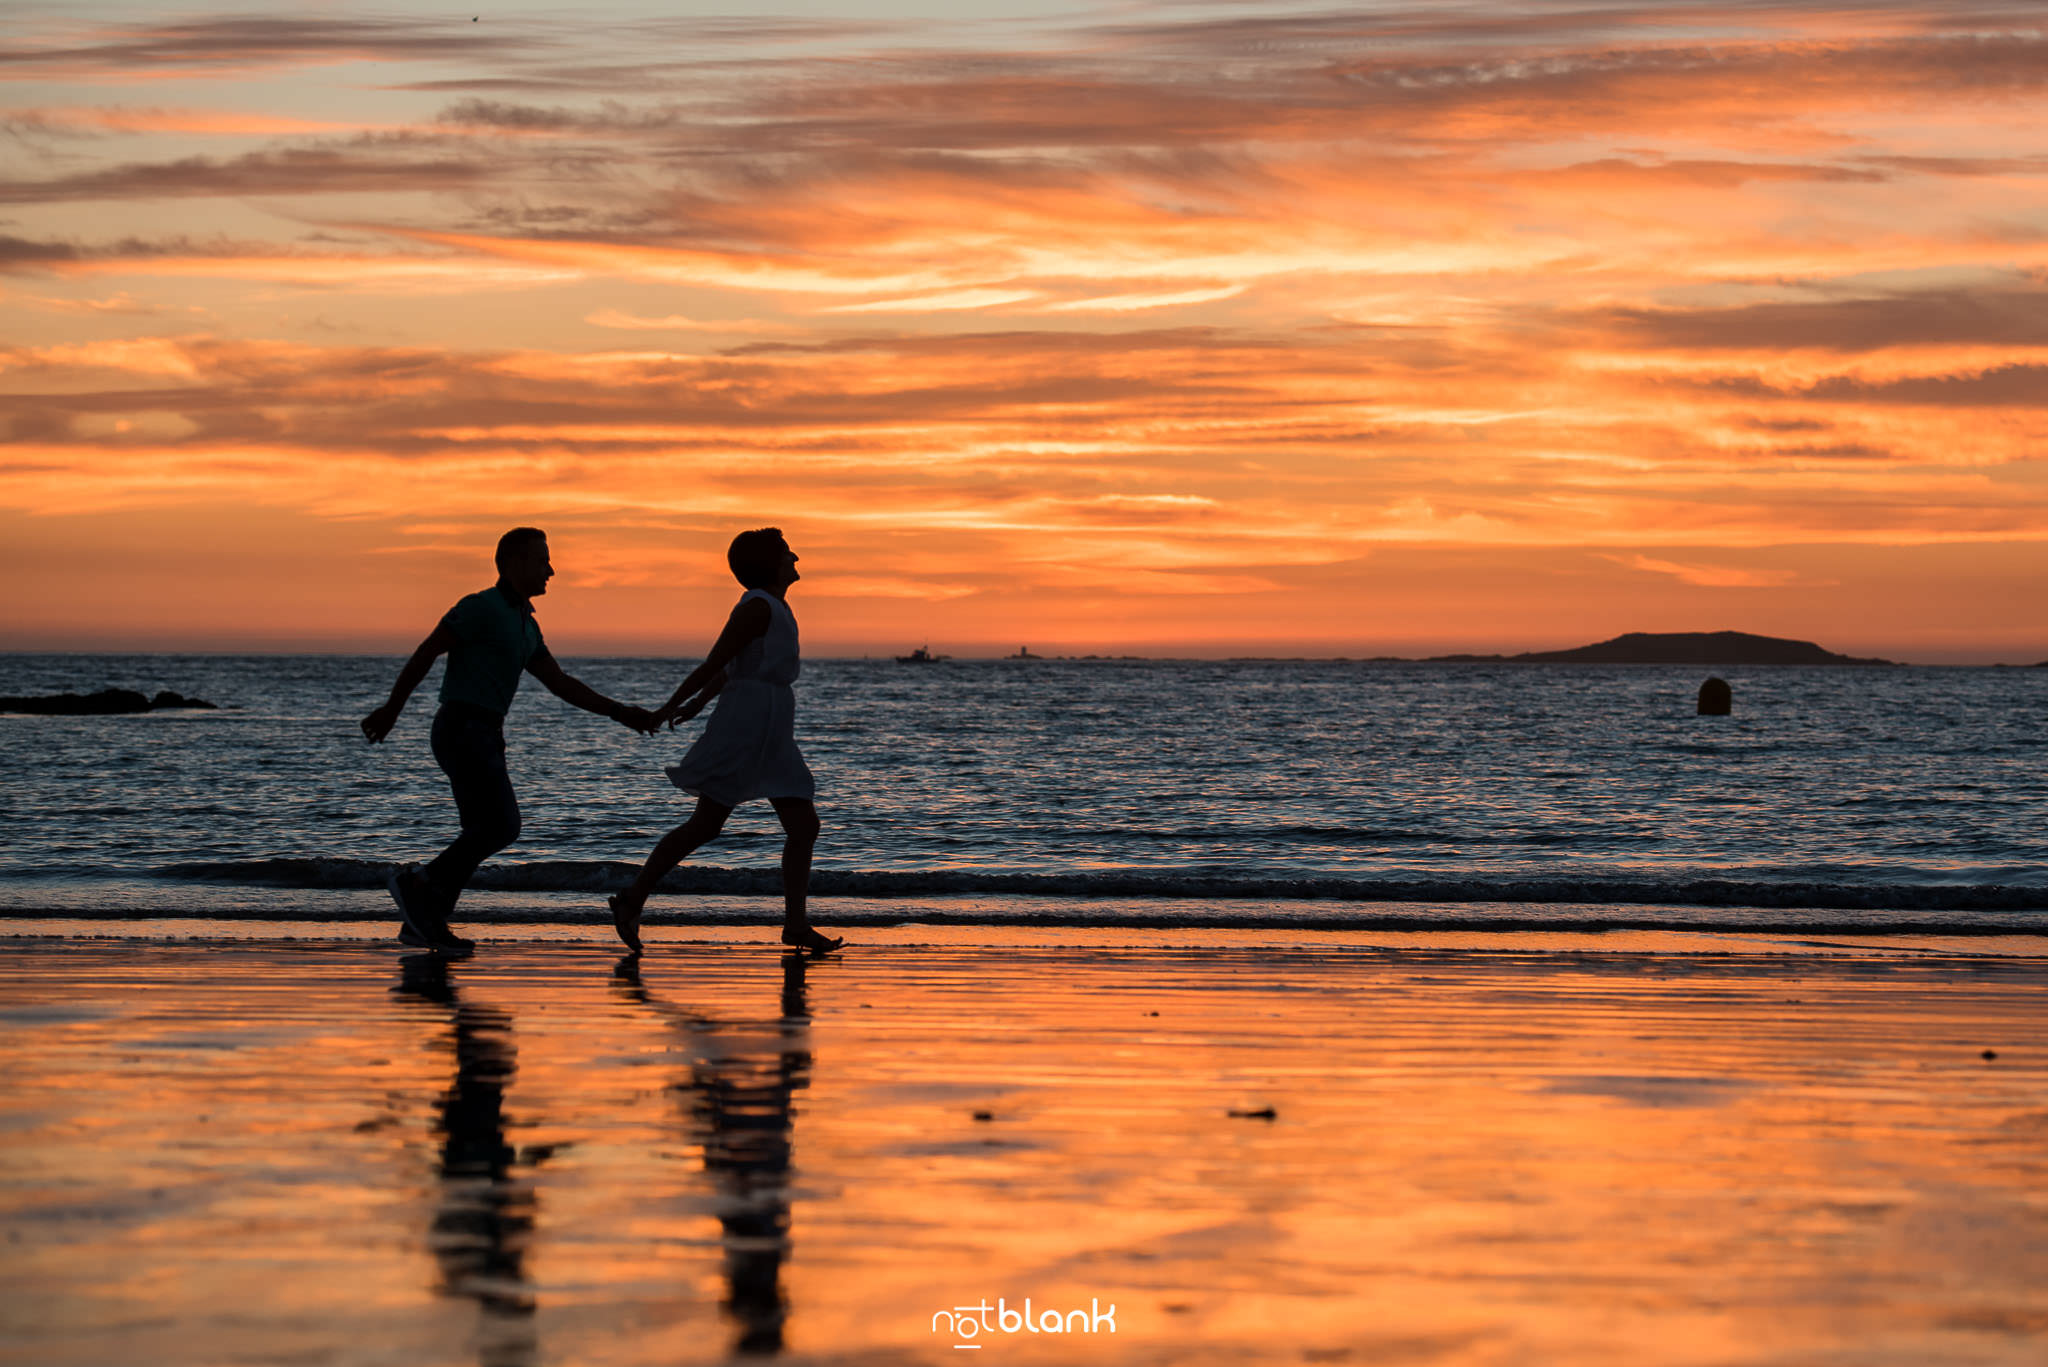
[[1716, 698], [1990, 1054], [105, 703], [167, 698], [984, 1115], [1263, 1113]]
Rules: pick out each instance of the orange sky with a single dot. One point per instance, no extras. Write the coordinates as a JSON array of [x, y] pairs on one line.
[[1190, 328]]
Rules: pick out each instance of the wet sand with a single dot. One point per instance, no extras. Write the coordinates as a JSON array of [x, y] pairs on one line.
[[327, 1151]]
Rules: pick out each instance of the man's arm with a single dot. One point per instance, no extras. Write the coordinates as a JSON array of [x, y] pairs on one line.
[[749, 621], [378, 724], [577, 693]]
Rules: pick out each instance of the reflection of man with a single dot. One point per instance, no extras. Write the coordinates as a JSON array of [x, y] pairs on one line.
[[742, 1080], [485, 1215], [490, 638]]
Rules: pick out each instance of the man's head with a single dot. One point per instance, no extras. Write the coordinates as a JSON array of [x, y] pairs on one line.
[[762, 559], [523, 561]]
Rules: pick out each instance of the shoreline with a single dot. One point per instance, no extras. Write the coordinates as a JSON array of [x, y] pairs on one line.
[[1126, 941], [113, 901], [251, 912]]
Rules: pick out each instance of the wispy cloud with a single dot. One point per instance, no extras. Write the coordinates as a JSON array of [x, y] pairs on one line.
[[1131, 303], [2010, 313], [945, 301], [212, 46], [1710, 576], [92, 120], [619, 319], [2018, 384], [369, 165]]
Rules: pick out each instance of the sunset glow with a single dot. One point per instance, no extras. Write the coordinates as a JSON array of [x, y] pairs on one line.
[[1162, 328]]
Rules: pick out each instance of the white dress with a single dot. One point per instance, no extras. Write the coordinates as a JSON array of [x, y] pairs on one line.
[[748, 749]]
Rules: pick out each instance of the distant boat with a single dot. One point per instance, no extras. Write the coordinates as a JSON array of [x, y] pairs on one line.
[[1023, 653], [921, 656]]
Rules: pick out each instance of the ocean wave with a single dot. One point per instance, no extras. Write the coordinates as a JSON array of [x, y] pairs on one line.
[[599, 876]]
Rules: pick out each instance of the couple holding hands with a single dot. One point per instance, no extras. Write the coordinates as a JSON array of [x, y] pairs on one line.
[[748, 750]]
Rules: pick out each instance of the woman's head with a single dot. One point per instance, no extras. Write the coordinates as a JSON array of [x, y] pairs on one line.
[[762, 559]]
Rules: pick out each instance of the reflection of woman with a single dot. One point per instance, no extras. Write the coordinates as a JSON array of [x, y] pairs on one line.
[[484, 1216], [743, 1076]]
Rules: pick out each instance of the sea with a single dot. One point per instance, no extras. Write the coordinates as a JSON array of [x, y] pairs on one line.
[[1320, 795]]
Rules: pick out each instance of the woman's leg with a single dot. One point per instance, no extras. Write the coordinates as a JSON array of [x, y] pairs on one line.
[[672, 849], [704, 823], [799, 819]]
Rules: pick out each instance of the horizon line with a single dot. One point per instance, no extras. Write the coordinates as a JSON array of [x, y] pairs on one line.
[[1950, 658]]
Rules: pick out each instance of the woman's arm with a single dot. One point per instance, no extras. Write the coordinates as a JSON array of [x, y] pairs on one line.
[[748, 623], [696, 704]]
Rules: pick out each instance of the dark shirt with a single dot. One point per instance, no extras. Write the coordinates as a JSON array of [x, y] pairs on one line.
[[495, 637]]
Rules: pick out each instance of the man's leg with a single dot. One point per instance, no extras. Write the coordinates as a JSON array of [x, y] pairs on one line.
[[799, 819], [471, 752]]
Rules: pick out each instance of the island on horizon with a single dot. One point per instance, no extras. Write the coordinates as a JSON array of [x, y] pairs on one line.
[[1679, 648], [1630, 648]]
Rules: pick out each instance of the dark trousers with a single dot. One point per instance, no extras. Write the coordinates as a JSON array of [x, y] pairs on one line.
[[469, 745]]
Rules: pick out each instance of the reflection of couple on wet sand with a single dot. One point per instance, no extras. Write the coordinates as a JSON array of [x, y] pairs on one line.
[[748, 750], [739, 1092]]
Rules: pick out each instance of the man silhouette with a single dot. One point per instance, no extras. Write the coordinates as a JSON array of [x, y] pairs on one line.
[[490, 638]]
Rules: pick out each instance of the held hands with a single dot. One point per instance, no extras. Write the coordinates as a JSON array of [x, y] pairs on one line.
[[637, 719], [682, 712]]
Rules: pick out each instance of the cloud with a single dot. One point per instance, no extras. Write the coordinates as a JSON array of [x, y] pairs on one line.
[[1621, 172], [22, 251], [1024, 101], [123, 304], [367, 165], [2015, 314], [205, 47], [481, 113], [934, 590], [2021, 384], [1131, 303], [944, 302], [1710, 576], [155, 250], [1961, 166], [676, 322]]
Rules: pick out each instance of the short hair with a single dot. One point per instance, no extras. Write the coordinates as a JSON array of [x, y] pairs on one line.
[[756, 557], [516, 540]]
